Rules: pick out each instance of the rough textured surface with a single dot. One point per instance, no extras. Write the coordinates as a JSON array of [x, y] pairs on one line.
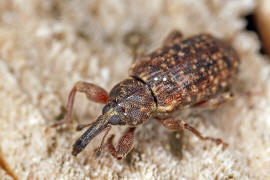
[[4, 175], [46, 46], [187, 72]]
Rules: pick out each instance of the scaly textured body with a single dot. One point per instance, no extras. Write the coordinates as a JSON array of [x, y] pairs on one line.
[[195, 71], [187, 71]]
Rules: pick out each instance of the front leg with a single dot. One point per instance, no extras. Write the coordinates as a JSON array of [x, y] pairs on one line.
[[92, 91], [125, 144], [97, 151], [179, 125]]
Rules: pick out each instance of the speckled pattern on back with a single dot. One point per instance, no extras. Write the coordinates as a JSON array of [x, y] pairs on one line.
[[188, 71]]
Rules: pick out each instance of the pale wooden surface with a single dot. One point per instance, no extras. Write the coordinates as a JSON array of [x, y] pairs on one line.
[[46, 46]]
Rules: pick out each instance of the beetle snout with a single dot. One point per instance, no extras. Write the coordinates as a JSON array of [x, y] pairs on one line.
[[98, 126]]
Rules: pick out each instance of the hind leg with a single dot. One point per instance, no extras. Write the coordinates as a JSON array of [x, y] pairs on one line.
[[179, 125], [214, 102]]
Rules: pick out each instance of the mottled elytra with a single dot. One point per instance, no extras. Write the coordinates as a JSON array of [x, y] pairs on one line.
[[193, 72]]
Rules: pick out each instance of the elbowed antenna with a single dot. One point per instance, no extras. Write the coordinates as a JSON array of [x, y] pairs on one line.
[[100, 124]]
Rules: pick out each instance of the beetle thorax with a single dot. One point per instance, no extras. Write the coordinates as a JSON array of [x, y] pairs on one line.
[[132, 101]]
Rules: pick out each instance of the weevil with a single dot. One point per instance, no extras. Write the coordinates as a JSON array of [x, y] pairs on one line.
[[194, 72]]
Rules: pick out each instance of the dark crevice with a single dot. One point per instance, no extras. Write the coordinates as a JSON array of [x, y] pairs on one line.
[[153, 95], [251, 26]]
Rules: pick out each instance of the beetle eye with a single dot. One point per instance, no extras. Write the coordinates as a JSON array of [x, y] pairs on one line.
[[106, 109], [123, 110], [114, 120]]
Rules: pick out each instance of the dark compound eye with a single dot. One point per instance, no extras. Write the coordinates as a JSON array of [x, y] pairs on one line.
[[114, 120], [123, 110], [106, 109]]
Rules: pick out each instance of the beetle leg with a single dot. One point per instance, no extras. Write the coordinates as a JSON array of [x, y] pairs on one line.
[[97, 151], [177, 125], [125, 144], [175, 35], [92, 91], [82, 126], [213, 103]]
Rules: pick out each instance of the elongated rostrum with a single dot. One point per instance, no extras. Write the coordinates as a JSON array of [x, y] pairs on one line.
[[193, 72]]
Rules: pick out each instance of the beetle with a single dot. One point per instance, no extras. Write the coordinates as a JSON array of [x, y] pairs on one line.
[[194, 72]]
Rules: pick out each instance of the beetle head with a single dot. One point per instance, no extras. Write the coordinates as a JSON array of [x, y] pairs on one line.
[[130, 103]]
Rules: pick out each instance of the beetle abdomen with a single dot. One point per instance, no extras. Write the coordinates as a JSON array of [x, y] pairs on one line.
[[187, 71]]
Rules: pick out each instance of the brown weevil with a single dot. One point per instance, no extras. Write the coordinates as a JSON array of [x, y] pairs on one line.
[[193, 72]]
